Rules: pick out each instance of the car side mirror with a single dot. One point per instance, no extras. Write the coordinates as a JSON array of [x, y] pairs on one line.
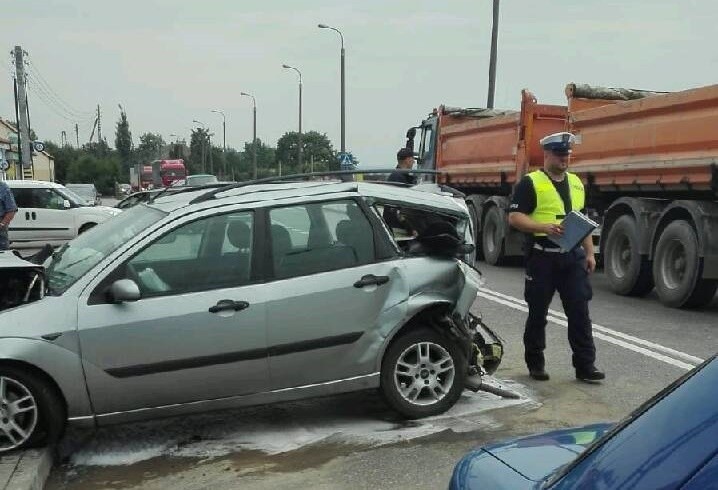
[[66, 204], [124, 290]]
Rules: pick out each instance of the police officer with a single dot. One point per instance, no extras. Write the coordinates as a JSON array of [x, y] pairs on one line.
[[540, 202], [8, 208], [405, 161]]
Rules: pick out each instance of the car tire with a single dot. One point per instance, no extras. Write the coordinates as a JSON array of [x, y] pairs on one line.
[[677, 268], [628, 272], [31, 412], [492, 236], [410, 358]]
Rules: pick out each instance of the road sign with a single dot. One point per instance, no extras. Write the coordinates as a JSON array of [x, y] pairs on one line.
[[38, 146], [345, 161]]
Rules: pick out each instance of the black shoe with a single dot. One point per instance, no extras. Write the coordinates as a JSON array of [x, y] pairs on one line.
[[539, 374], [592, 375]]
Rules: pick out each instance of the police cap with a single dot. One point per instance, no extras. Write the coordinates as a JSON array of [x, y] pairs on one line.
[[558, 143]]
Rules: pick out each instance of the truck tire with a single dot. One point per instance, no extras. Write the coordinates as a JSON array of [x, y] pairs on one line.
[[492, 236], [677, 268], [628, 272]]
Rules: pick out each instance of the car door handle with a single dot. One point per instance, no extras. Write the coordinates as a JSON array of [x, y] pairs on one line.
[[371, 279], [228, 304], [27, 215], [34, 216]]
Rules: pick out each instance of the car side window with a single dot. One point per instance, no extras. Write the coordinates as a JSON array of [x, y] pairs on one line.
[[23, 197], [319, 237], [210, 253], [47, 199]]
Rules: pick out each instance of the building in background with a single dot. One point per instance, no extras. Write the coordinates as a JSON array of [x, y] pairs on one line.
[[43, 164]]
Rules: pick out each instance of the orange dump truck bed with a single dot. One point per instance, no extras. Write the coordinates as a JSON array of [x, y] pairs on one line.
[[493, 152], [660, 143]]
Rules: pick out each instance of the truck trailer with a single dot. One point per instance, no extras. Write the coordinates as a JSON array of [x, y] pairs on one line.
[[648, 160]]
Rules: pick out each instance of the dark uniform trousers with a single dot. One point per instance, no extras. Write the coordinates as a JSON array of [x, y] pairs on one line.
[[546, 273]]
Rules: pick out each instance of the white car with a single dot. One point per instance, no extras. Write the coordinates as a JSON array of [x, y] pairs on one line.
[[50, 213]]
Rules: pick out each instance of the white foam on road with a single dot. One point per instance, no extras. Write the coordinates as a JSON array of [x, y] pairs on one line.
[[359, 419]]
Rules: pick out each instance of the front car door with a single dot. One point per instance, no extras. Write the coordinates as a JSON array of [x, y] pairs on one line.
[[198, 331], [338, 289]]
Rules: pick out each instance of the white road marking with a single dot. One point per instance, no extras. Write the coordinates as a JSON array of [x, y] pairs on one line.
[[620, 339]]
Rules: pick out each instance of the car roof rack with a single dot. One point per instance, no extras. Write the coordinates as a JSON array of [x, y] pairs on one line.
[[298, 177], [180, 189]]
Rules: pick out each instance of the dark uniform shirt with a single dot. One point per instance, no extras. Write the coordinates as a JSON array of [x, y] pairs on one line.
[[524, 201], [402, 177]]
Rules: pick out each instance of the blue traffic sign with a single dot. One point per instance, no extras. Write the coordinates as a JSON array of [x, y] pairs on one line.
[[346, 161]]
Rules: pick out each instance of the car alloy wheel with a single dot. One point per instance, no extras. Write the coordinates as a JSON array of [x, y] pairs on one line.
[[18, 414], [424, 373]]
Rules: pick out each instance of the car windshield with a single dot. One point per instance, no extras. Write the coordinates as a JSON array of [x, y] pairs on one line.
[[201, 179], [71, 196], [80, 255], [84, 191]]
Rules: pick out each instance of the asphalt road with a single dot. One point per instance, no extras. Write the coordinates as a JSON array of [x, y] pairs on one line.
[[354, 441]]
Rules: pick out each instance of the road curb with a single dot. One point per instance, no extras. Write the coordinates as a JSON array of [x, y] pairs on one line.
[[26, 470]]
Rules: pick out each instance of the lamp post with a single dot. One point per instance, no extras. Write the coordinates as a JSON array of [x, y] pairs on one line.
[[254, 133], [224, 141], [343, 113], [299, 140], [492, 58], [204, 150]]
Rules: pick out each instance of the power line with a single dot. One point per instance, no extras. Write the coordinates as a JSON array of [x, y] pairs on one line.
[[58, 111], [58, 103], [38, 75]]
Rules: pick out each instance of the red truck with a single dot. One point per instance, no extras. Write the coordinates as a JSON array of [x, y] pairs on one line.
[[159, 173], [649, 162]]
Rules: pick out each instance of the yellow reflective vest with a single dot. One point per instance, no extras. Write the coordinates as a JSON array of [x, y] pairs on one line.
[[549, 205]]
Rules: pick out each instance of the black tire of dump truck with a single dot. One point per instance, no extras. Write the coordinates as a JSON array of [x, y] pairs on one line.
[[492, 236], [677, 268], [628, 272]]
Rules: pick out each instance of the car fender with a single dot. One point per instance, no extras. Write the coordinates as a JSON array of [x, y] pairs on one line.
[[59, 361]]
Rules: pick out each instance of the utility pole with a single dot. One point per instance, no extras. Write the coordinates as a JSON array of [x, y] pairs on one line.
[[492, 59], [63, 138], [24, 129], [99, 125], [77, 135]]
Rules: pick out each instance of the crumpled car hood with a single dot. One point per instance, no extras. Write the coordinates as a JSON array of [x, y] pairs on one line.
[[21, 281]]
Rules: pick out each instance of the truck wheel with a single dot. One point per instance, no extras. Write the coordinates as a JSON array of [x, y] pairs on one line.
[[627, 270], [30, 412], [422, 374], [677, 268], [492, 237]]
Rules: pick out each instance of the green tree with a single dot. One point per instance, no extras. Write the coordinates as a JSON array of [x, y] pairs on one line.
[[63, 156], [266, 161], [101, 171], [123, 140], [315, 146], [197, 162], [150, 148]]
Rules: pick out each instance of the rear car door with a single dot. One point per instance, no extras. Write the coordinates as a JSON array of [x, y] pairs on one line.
[[336, 289], [198, 331]]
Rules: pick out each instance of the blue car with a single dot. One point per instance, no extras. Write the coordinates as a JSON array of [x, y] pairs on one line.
[[670, 442]]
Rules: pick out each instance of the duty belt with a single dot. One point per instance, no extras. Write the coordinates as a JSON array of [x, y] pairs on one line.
[[556, 250]]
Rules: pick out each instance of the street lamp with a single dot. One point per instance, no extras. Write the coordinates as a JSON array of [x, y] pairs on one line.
[[341, 36], [254, 132], [224, 139], [299, 141]]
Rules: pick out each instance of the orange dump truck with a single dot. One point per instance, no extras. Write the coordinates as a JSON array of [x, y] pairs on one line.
[[649, 162]]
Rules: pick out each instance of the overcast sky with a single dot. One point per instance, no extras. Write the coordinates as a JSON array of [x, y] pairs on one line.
[[171, 61]]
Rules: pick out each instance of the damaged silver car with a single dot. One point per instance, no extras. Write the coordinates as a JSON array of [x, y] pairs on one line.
[[240, 295]]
